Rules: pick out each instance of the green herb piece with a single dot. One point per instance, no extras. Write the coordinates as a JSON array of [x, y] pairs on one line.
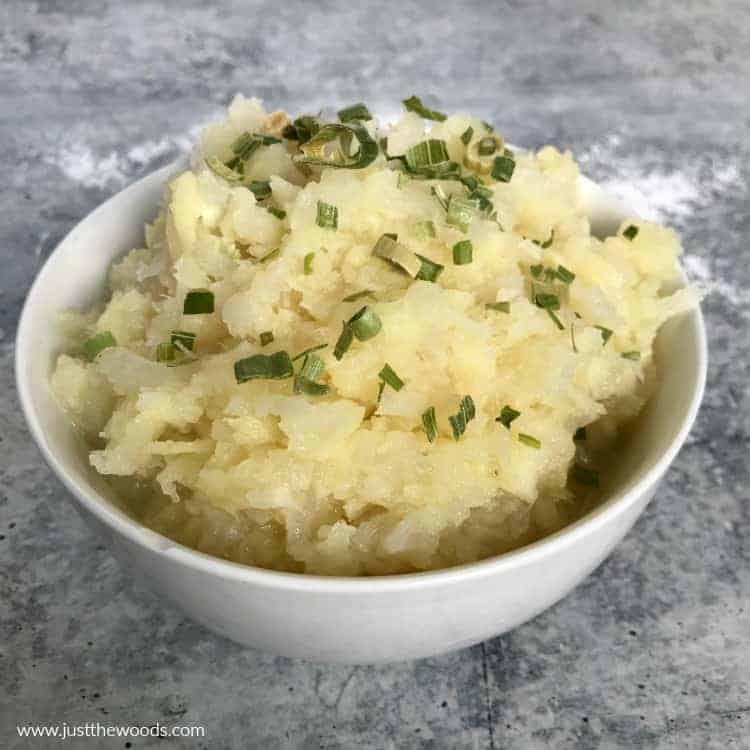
[[328, 216], [388, 375], [487, 146], [357, 111], [429, 422], [631, 232], [466, 135], [466, 413], [503, 307], [487, 126], [606, 334], [266, 337], [261, 189], [265, 139], [424, 229], [332, 146], [310, 387], [277, 212], [222, 170], [245, 146], [547, 243], [573, 336], [547, 301], [585, 476], [302, 129], [388, 248], [358, 295], [307, 264], [502, 168], [430, 271], [309, 351], [381, 388], [365, 324], [440, 196], [344, 341], [270, 256], [414, 104], [276, 366], [462, 253], [429, 159], [507, 415], [565, 275], [580, 434], [536, 270], [166, 352], [183, 340], [312, 367], [460, 213], [529, 440], [634, 356], [198, 302], [556, 320], [305, 381]]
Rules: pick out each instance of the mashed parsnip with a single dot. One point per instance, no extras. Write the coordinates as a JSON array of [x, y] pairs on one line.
[[468, 326]]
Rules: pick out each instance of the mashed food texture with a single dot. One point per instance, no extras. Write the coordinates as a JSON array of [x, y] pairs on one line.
[[354, 348]]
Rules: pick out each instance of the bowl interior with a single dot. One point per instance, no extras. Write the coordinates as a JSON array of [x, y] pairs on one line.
[[74, 277]]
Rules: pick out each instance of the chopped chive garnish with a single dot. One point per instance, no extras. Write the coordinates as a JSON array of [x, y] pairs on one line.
[[331, 146], [381, 388], [462, 253], [487, 146], [277, 212], [388, 375], [547, 301], [502, 168], [440, 196], [503, 307], [305, 381], [388, 248], [428, 158], [302, 130], [312, 367], [276, 366], [430, 271], [507, 415], [606, 334], [198, 302], [631, 232], [565, 275], [344, 341], [529, 440], [183, 340], [271, 255], [307, 265], [584, 476], [261, 189], [245, 146], [414, 104], [266, 337], [634, 355], [365, 324], [358, 295], [466, 135], [424, 229], [166, 352], [460, 213], [536, 270], [555, 319], [309, 351], [573, 336], [310, 387], [429, 422], [466, 413], [328, 216], [580, 434], [218, 167], [357, 111]]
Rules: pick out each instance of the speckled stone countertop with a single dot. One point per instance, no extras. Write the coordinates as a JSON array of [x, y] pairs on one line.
[[653, 650]]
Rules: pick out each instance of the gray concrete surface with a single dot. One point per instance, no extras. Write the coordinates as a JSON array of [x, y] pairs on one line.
[[653, 650]]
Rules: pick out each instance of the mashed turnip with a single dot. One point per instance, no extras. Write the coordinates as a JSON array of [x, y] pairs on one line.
[[468, 327]]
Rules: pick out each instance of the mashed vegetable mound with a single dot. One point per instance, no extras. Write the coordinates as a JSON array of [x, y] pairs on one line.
[[350, 348]]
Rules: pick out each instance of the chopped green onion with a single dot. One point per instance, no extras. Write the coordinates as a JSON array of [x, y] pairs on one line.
[[466, 413], [573, 336], [529, 440], [276, 366], [499, 306], [312, 367], [265, 139], [507, 415], [462, 253], [487, 146], [466, 135], [166, 352], [460, 213], [440, 196], [305, 381], [266, 337], [245, 146], [389, 249], [183, 340], [547, 301], [357, 111], [381, 388], [302, 130], [307, 265], [310, 387], [309, 351], [634, 355], [358, 295], [344, 341], [430, 271], [271, 255], [261, 189], [565, 275], [218, 167], [606, 334], [388, 375], [424, 229], [328, 216], [414, 104], [198, 302], [502, 168], [536, 270], [584, 476], [331, 146], [365, 324], [429, 422], [556, 320], [277, 212], [547, 243], [430, 159], [631, 232], [580, 434]]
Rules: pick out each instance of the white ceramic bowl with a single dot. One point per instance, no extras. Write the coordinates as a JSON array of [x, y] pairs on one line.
[[356, 620]]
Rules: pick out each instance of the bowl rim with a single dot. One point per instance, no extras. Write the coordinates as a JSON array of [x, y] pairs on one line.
[[178, 553]]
